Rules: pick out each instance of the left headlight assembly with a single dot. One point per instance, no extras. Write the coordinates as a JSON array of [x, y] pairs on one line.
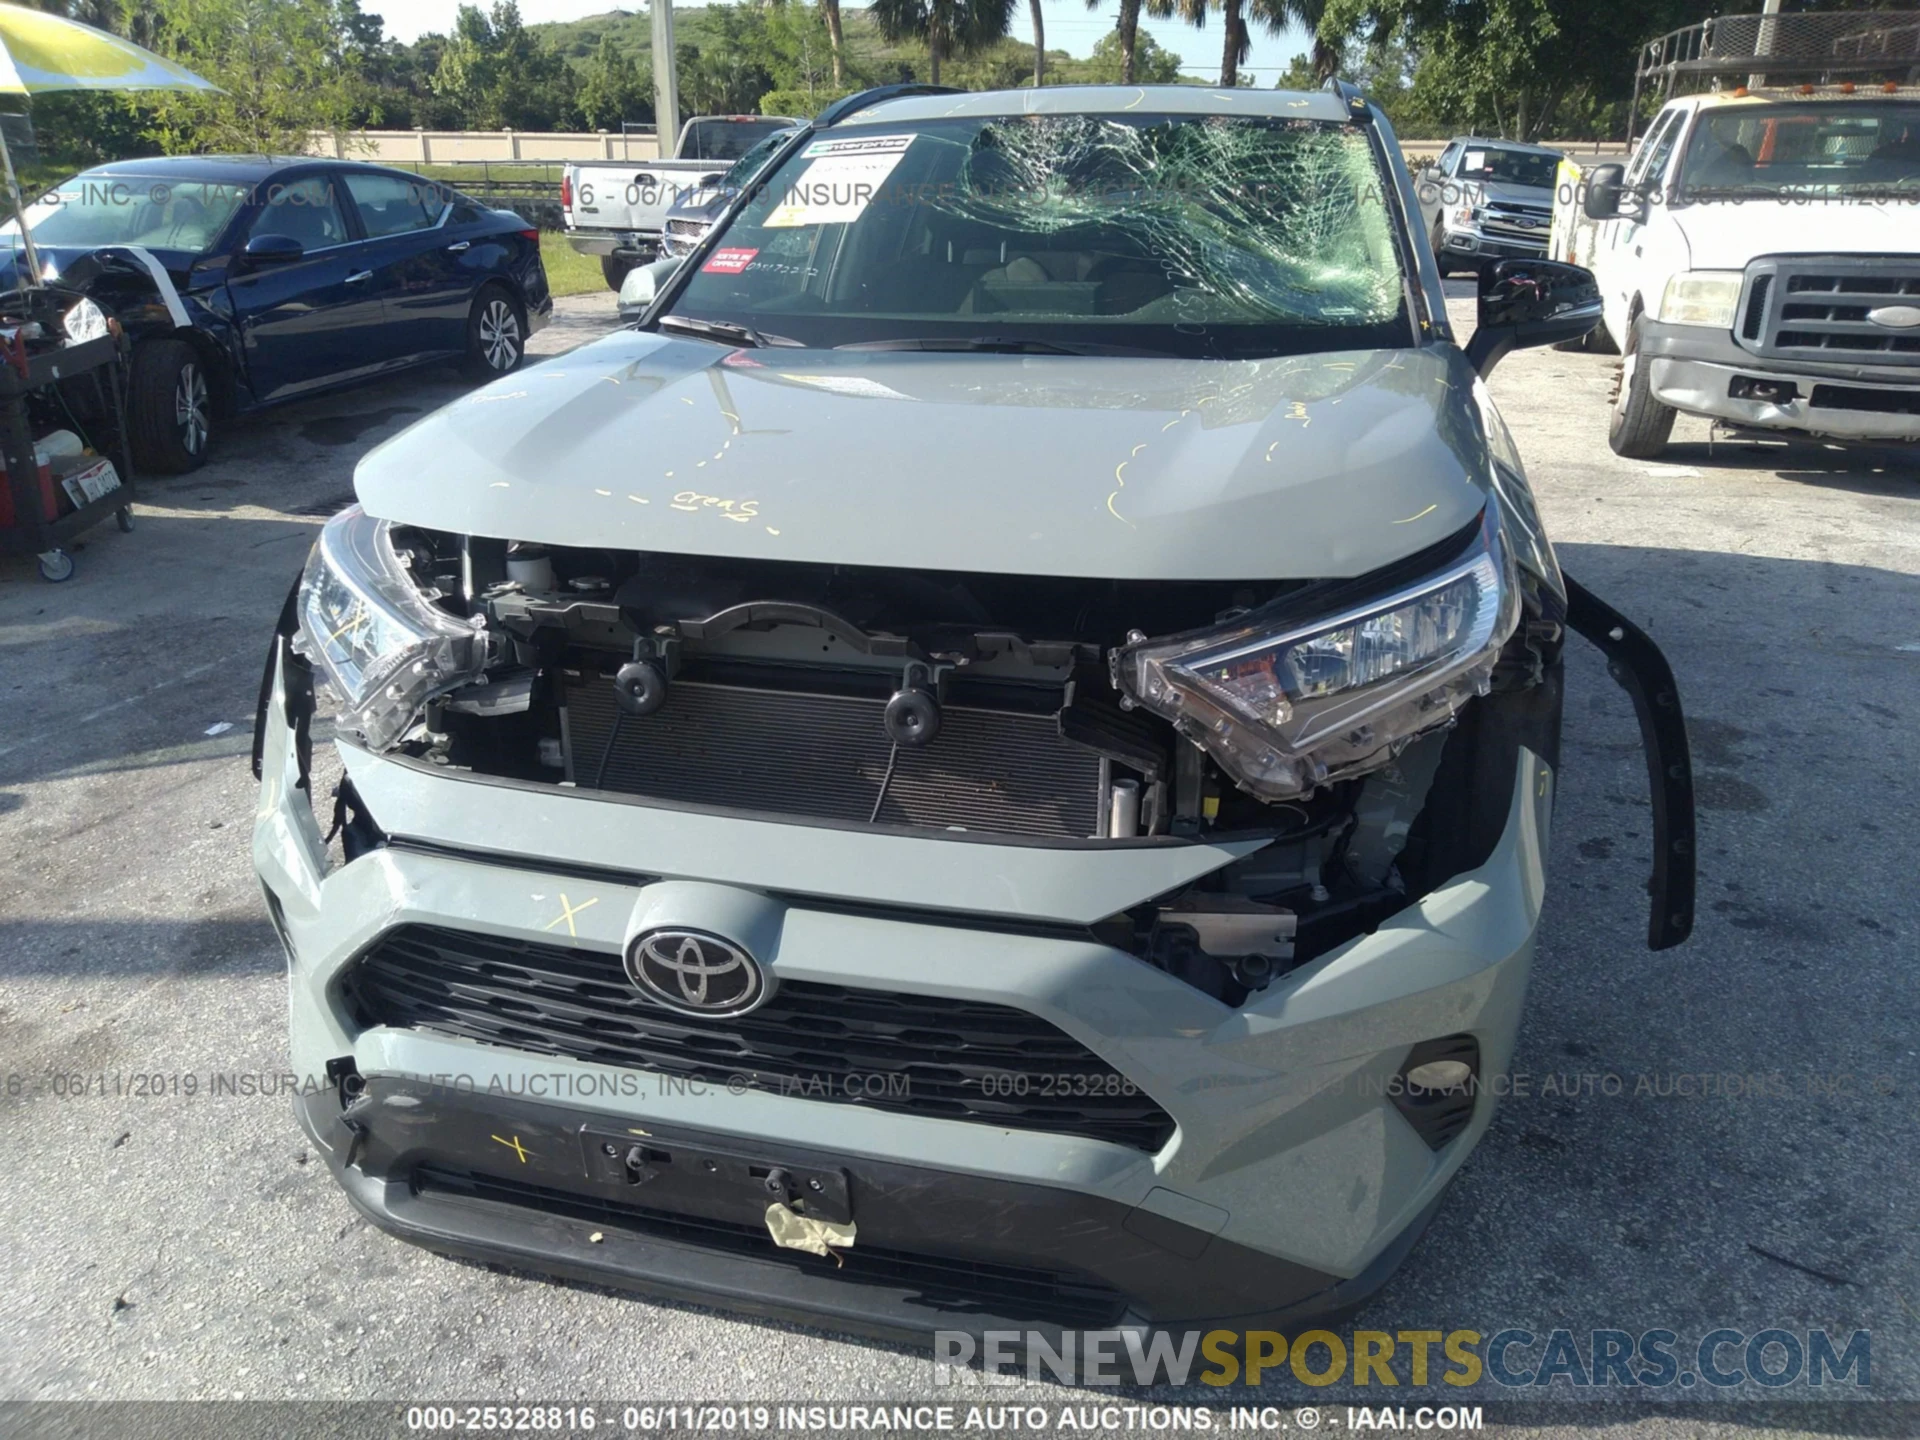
[[381, 643], [1285, 703]]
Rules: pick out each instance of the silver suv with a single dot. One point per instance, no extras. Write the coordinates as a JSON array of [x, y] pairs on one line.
[[989, 763]]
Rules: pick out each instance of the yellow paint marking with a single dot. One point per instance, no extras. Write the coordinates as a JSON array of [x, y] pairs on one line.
[[1118, 478], [568, 911], [1270, 449], [356, 621], [1421, 516], [603, 492], [685, 401], [1138, 448], [513, 1145], [638, 501], [772, 531], [1116, 514], [499, 485]]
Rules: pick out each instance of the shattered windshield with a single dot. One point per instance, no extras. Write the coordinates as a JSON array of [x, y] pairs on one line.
[[1850, 147], [1190, 235], [96, 209]]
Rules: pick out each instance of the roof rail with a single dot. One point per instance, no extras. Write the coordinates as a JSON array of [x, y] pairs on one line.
[[1355, 102], [852, 104]]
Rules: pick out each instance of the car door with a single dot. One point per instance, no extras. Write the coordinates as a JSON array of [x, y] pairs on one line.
[[418, 260], [1617, 250], [314, 320]]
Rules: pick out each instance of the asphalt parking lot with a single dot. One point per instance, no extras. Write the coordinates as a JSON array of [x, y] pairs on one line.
[[174, 1245]]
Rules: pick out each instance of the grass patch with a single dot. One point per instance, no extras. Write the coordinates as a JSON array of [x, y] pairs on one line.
[[568, 271]]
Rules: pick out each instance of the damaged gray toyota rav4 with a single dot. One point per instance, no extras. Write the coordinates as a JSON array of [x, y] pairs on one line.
[[987, 764]]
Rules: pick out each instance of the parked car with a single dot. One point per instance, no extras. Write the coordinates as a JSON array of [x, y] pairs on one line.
[[970, 770], [615, 209], [1487, 200], [1758, 264], [248, 281], [692, 214]]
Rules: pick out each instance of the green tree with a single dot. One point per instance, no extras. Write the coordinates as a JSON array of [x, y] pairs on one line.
[[612, 89], [1113, 62], [830, 13], [1126, 37], [500, 75], [946, 27], [282, 66]]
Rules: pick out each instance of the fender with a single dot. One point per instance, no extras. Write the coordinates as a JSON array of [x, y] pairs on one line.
[[1638, 667]]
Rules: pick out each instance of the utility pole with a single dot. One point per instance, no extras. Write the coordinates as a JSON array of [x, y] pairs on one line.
[[666, 80]]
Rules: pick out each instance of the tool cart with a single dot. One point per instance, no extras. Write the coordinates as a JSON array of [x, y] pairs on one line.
[[53, 380]]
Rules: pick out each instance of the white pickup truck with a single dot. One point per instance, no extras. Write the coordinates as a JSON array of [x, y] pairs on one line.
[[1759, 261], [615, 208]]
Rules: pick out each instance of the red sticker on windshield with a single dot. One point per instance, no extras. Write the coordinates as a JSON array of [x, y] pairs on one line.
[[729, 262]]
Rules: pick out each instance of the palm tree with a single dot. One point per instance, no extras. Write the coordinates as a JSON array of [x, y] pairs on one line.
[[1274, 15], [1039, 44], [946, 27], [830, 12], [1128, 29]]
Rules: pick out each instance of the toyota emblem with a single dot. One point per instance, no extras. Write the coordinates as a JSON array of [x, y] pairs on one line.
[[695, 973]]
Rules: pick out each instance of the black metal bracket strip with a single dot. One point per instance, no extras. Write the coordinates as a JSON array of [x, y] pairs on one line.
[[1638, 667]]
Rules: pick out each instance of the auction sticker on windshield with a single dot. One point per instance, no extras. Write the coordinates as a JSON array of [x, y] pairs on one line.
[[841, 179], [729, 261]]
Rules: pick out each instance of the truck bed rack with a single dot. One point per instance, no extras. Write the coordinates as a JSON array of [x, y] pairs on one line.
[[1866, 47]]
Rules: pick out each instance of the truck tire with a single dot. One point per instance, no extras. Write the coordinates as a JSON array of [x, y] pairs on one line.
[[170, 407], [1640, 425], [496, 334], [1440, 248], [615, 270]]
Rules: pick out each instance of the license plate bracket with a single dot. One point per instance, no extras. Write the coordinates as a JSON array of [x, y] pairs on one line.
[[663, 1173]]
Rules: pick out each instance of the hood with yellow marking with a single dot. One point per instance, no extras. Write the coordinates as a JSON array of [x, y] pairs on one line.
[[1294, 467]]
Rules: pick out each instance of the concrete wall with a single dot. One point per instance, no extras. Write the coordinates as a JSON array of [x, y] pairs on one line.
[[440, 147]]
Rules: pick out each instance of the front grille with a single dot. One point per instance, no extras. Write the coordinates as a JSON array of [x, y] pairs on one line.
[[1817, 308], [937, 1282], [1504, 219], [914, 1054], [825, 757], [686, 227]]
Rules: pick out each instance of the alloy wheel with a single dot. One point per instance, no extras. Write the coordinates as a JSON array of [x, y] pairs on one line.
[[190, 408], [499, 336]]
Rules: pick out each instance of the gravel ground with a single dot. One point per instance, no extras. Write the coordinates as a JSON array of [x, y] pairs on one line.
[[166, 1245]]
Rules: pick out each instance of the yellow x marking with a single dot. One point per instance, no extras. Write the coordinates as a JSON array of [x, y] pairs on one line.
[[568, 911], [513, 1145]]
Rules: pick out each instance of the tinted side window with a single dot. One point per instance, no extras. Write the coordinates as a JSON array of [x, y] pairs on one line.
[[304, 210], [394, 204]]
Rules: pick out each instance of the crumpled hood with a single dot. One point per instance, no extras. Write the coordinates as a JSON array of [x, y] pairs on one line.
[[1721, 235], [1304, 466]]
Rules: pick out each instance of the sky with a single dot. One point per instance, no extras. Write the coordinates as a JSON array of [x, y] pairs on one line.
[[1070, 27]]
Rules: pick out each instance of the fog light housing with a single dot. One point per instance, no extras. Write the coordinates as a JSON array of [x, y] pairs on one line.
[[1436, 1088], [1770, 392]]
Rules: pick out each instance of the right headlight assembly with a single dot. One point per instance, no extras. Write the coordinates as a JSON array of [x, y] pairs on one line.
[[375, 635], [1285, 703]]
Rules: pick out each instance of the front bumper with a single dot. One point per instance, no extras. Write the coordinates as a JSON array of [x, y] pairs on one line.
[[1292, 1185], [635, 245], [1471, 244], [1693, 369]]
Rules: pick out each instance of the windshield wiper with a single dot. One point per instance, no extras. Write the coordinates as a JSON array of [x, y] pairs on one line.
[[725, 331], [997, 345]]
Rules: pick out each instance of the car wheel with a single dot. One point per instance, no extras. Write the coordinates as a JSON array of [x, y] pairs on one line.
[[171, 407], [496, 335], [615, 271], [1439, 248], [1640, 424]]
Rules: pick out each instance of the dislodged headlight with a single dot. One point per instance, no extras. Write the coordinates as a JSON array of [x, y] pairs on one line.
[[1701, 297], [1284, 704], [383, 645]]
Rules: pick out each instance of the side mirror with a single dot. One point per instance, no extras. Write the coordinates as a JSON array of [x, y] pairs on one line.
[[1604, 183], [642, 284], [1531, 302], [272, 250]]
